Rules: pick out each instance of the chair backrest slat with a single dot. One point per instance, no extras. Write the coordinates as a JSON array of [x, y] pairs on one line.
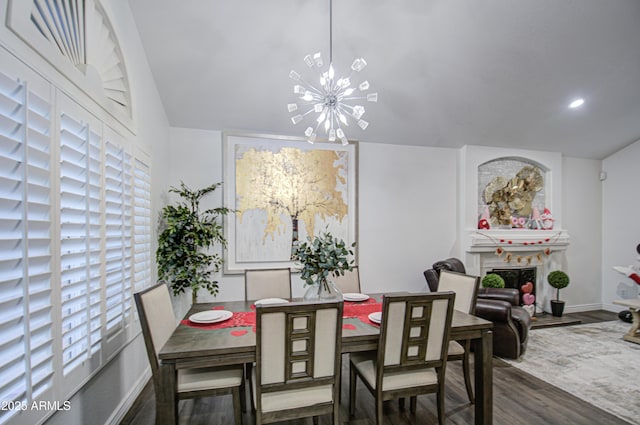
[[349, 282], [465, 286], [297, 343], [415, 330], [157, 319]]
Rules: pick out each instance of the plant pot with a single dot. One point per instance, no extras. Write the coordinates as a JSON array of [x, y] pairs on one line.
[[324, 291], [557, 307]]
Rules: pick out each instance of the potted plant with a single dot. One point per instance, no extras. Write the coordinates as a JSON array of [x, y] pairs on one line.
[[492, 280], [558, 279], [187, 234], [320, 258]]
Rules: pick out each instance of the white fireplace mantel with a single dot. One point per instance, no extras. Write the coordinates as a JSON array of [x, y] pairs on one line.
[[516, 240]]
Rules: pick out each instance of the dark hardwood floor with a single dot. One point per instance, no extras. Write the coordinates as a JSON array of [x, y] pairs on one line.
[[546, 320], [519, 398]]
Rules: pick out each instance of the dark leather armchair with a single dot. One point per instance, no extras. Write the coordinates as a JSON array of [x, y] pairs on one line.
[[511, 322]]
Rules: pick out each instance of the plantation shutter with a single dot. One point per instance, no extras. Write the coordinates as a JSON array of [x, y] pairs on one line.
[[142, 225], [119, 234], [26, 347], [80, 247], [74, 240], [38, 212]]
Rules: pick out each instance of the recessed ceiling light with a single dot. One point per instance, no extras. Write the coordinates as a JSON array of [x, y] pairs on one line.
[[576, 103]]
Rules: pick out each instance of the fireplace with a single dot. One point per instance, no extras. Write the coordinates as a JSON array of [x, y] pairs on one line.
[[516, 277]]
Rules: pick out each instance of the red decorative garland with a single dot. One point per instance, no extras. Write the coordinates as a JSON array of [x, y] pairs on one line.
[[520, 259]]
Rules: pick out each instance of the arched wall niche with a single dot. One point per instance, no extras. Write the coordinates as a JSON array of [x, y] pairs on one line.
[[512, 190]]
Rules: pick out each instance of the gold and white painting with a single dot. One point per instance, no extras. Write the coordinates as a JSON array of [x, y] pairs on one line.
[[282, 190]]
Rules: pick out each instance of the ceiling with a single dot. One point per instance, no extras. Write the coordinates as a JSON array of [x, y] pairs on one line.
[[449, 73]]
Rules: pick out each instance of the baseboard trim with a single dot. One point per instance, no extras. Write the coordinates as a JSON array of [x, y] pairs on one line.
[[126, 403], [583, 307], [570, 309]]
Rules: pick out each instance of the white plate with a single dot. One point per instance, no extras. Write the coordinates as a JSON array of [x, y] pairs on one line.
[[376, 317], [354, 296], [210, 316], [267, 301]]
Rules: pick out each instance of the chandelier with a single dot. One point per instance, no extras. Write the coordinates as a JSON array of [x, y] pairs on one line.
[[332, 99]]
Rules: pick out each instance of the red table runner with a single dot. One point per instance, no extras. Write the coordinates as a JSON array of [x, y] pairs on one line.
[[361, 310]]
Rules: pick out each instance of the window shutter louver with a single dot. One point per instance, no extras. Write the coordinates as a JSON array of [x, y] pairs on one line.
[[118, 227], [38, 210], [142, 225], [80, 250], [26, 344]]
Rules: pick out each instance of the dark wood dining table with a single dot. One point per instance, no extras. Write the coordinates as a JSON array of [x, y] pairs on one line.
[[234, 342]]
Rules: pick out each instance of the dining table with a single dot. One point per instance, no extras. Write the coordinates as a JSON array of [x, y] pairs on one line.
[[233, 341]]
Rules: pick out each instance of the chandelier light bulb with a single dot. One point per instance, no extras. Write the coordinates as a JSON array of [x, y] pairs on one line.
[[358, 64], [358, 112], [332, 135], [294, 75], [292, 107], [308, 60], [342, 137]]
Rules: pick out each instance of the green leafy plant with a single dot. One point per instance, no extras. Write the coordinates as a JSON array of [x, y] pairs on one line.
[[186, 235], [492, 280], [559, 280], [322, 256]]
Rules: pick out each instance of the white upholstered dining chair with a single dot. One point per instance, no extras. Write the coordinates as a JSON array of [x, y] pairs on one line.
[[298, 361], [158, 323], [267, 283], [349, 282], [412, 351], [466, 288]]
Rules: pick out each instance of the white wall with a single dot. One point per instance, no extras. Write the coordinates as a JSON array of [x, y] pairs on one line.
[[407, 204], [620, 223], [581, 206], [407, 214]]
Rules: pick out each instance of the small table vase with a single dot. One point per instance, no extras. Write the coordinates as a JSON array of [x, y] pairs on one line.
[[323, 291]]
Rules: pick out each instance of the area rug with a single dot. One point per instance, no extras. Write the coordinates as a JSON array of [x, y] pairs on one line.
[[591, 361]]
